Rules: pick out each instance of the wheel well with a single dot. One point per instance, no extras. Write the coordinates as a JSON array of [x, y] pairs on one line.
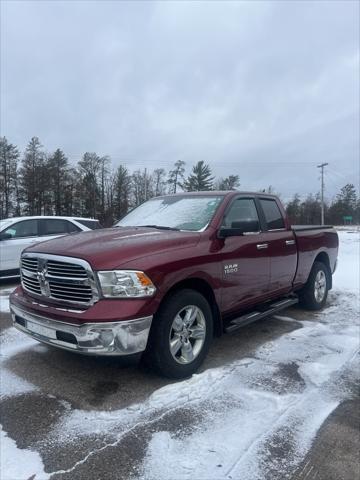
[[324, 258], [203, 287]]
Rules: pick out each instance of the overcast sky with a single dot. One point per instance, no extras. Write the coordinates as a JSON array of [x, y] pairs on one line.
[[266, 90]]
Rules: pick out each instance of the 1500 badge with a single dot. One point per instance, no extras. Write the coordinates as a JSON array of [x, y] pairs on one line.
[[231, 268]]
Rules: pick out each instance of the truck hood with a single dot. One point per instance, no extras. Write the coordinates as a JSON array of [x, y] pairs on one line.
[[111, 248]]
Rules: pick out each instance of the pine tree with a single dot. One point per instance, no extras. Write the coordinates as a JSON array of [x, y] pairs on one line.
[[293, 209], [9, 156], [33, 180], [310, 210], [58, 176], [122, 188], [200, 179], [89, 169], [344, 205]]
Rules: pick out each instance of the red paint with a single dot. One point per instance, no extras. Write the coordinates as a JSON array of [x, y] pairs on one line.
[[170, 257]]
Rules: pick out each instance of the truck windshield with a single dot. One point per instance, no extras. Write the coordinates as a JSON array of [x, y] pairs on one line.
[[173, 212]]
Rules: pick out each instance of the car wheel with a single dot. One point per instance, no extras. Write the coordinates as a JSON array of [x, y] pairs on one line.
[[314, 294], [181, 334]]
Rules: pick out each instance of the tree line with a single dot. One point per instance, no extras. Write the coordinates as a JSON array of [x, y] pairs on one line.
[[40, 183]]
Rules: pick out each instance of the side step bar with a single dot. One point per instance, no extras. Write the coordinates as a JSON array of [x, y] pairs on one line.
[[257, 315]]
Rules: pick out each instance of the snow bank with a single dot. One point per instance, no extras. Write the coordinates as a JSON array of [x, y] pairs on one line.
[[4, 303], [4, 299], [347, 275]]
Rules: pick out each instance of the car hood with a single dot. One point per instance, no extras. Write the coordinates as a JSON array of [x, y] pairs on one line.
[[113, 247]]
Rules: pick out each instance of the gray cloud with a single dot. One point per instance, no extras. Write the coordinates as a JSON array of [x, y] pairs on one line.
[[263, 89]]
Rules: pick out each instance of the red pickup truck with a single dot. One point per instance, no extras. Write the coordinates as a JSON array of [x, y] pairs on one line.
[[170, 275]]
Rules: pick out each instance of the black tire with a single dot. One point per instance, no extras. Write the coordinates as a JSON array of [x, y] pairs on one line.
[[158, 355], [308, 295]]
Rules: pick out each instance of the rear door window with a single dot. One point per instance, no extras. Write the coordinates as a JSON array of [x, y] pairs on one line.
[[274, 219], [54, 226], [23, 229]]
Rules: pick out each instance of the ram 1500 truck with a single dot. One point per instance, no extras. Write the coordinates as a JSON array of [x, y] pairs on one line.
[[170, 275]]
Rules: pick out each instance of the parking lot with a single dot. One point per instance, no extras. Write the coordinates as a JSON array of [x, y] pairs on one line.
[[278, 399]]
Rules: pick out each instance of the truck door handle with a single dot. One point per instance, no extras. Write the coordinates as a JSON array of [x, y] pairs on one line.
[[290, 242], [261, 246]]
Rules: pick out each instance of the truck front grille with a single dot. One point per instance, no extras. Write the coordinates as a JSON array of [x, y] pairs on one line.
[[62, 279]]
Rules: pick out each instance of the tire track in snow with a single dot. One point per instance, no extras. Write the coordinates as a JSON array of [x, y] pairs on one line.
[[322, 350]]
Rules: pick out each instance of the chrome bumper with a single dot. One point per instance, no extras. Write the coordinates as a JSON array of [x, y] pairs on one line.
[[107, 338]]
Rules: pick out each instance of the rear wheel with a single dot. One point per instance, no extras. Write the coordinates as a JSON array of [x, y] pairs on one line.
[[181, 334], [314, 294]]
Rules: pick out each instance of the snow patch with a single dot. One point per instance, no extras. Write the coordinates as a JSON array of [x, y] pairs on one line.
[[4, 300], [4, 304], [19, 463]]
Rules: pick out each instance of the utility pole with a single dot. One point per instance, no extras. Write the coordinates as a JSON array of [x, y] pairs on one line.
[[322, 190], [145, 184]]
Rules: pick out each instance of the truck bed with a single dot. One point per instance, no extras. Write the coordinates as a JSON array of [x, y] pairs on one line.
[[314, 241]]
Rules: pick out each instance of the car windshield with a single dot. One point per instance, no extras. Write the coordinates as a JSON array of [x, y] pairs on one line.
[[92, 224], [5, 223], [174, 212]]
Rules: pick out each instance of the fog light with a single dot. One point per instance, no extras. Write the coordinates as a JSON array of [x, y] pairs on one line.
[[106, 337]]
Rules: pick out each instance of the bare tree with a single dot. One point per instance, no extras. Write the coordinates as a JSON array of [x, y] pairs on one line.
[[231, 182], [159, 182], [176, 176]]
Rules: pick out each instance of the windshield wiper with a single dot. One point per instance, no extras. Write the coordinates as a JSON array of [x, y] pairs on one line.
[[160, 227]]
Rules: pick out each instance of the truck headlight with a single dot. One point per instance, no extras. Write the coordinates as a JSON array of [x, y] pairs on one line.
[[125, 284]]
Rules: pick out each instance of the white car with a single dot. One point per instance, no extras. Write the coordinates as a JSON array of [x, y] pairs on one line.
[[20, 232]]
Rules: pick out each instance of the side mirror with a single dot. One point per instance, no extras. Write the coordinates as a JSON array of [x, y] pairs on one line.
[[239, 228], [5, 236]]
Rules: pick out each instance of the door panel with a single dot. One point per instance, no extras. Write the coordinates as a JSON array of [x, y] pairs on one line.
[[23, 233], [245, 260], [282, 247], [283, 259], [246, 271]]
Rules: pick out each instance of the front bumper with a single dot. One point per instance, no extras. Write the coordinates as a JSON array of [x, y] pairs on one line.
[[106, 338]]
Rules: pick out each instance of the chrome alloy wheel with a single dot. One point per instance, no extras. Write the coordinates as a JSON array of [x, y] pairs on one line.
[[320, 286], [187, 334]]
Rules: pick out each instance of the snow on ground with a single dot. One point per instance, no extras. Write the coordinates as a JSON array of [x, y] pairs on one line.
[[4, 299], [18, 463], [257, 416], [347, 275]]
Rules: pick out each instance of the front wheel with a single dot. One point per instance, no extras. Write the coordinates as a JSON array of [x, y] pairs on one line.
[[181, 334], [314, 294]]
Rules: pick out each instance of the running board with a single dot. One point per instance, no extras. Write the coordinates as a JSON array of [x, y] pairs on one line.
[[253, 316]]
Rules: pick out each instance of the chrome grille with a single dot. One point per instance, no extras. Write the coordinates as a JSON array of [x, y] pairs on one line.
[[63, 279], [31, 284], [80, 293], [62, 269], [29, 263]]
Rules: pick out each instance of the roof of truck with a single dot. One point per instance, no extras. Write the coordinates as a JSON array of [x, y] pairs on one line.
[[220, 192]]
